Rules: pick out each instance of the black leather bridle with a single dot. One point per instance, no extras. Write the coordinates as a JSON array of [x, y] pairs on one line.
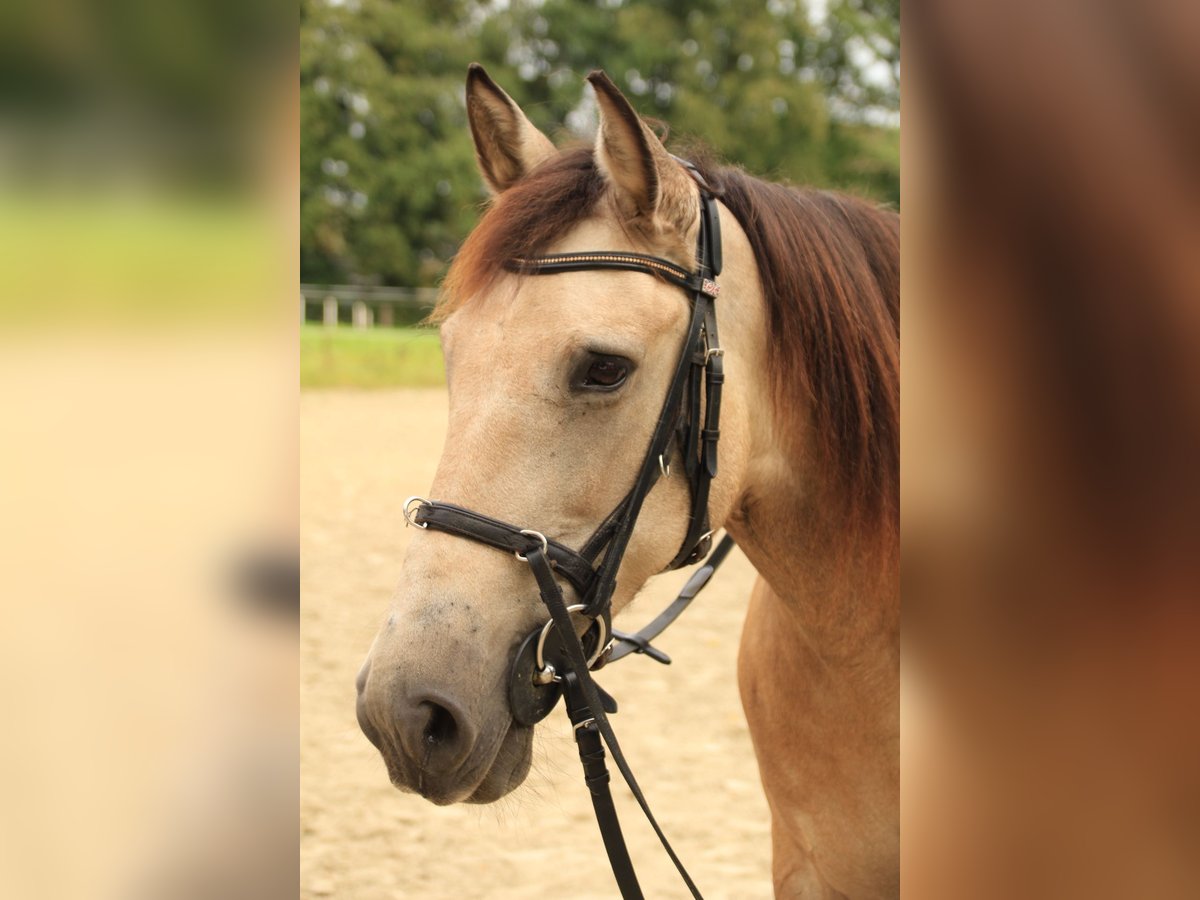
[[553, 660]]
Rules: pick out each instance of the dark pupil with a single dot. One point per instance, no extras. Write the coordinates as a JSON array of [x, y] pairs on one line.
[[605, 372]]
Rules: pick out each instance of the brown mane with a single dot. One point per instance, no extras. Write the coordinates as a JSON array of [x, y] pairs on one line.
[[829, 265]]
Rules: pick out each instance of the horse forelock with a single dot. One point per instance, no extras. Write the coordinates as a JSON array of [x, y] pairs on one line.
[[524, 221]]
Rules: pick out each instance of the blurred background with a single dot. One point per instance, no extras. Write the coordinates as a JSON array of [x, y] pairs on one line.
[[791, 90]]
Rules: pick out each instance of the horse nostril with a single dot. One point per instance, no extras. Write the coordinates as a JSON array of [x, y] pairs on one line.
[[440, 727], [435, 733]]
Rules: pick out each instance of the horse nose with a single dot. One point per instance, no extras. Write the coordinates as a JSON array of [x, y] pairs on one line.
[[432, 732]]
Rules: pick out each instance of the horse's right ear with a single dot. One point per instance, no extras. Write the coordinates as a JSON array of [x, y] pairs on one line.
[[507, 145]]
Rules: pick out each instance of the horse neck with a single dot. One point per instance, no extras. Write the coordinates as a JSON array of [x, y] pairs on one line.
[[839, 591]]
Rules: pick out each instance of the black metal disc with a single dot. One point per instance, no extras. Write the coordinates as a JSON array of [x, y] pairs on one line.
[[532, 702]]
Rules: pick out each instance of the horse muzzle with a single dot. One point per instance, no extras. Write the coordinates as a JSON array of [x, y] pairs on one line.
[[435, 746]]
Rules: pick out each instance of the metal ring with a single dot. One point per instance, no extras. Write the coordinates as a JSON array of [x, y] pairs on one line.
[[601, 645], [408, 519], [541, 537], [664, 467]]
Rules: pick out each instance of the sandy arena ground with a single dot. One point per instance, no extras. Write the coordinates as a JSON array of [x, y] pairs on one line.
[[681, 726]]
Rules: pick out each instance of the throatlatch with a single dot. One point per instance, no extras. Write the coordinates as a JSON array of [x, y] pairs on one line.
[[553, 660]]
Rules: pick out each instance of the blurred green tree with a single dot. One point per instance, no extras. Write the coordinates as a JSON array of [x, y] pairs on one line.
[[389, 187]]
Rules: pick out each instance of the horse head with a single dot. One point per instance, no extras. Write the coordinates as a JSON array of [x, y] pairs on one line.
[[555, 387]]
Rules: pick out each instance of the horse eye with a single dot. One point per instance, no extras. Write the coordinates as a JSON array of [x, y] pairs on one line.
[[605, 373]]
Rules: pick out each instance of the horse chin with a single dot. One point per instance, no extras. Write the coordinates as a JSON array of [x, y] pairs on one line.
[[510, 768]]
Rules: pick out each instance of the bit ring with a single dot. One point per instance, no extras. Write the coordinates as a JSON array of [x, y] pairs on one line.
[[540, 654]]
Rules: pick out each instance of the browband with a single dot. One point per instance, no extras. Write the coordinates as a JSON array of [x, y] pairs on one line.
[[606, 259]]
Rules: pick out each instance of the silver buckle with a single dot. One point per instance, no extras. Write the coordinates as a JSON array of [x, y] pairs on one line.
[[408, 515]]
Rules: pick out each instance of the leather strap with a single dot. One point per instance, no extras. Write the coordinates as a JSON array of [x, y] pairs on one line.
[[603, 534], [596, 777], [639, 642], [552, 598], [701, 446], [495, 533], [605, 259]]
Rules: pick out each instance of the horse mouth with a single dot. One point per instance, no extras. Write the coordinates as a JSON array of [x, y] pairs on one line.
[[484, 778], [510, 768]]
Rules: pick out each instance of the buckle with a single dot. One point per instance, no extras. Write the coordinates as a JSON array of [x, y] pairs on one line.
[[410, 513], [642, 645], [529, 532]]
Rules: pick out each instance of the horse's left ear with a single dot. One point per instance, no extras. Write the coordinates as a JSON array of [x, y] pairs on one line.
[[651, 185]]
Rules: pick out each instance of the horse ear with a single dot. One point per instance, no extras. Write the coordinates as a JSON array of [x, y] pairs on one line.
[[651, 184], [507, 145]]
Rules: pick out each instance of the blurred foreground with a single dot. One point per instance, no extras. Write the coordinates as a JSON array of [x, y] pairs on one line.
[[147, 451], [1051, 501]]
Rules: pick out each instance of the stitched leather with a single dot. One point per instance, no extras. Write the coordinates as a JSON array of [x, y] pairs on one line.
[[603, 259]]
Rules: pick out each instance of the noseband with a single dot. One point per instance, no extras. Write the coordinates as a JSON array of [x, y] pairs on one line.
[[553, 659]]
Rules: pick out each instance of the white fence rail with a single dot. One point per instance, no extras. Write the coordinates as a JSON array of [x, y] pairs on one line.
[[369, 306]]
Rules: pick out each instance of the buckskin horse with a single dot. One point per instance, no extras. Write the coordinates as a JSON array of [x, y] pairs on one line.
[[557, 387]]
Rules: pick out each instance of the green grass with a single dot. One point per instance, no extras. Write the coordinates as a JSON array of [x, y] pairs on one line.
[[118, 258], [345, 357]]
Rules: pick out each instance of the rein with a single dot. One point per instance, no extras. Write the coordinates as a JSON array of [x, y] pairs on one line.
[[554, 660]]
